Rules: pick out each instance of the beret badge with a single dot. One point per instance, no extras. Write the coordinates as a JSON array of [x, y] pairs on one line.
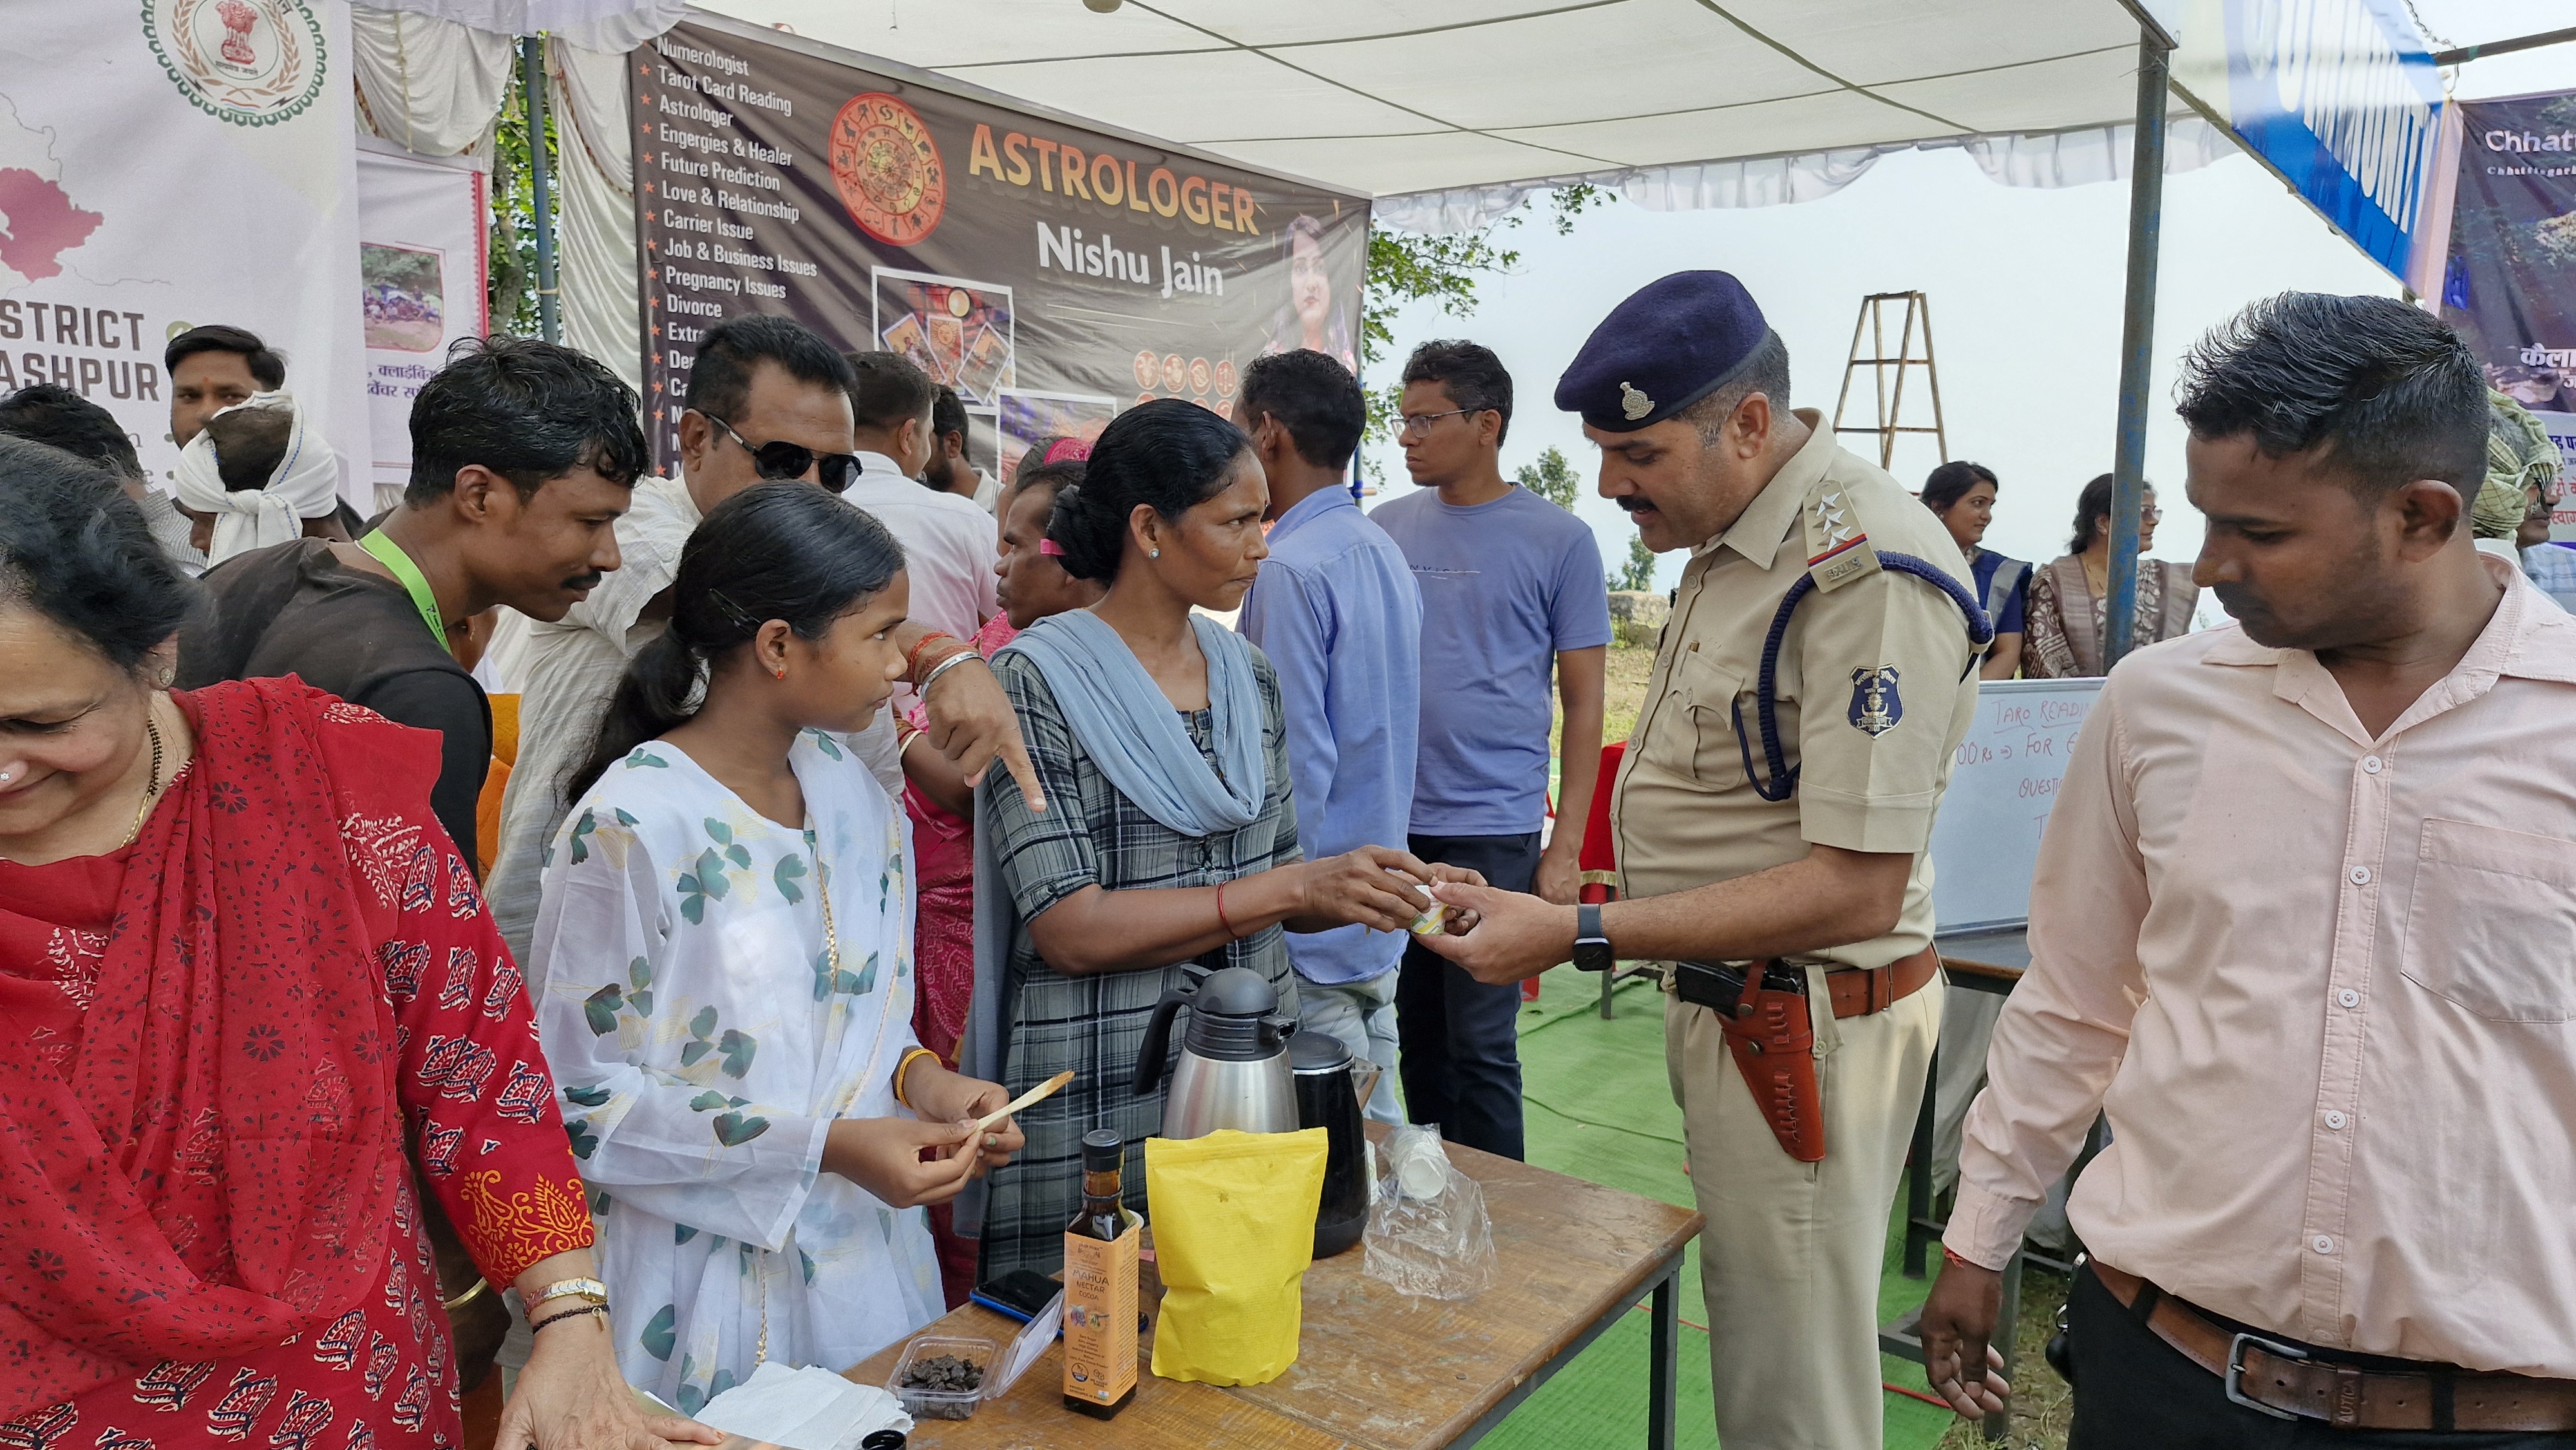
[[1633, 404]]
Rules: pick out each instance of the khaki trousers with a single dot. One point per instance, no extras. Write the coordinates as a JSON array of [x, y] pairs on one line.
[[1792, 1254]]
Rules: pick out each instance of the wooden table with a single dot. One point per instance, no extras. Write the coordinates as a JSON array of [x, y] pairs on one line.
[[1377, 1370]]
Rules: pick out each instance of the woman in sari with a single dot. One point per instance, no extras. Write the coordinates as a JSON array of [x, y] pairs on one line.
[[240, 959], [1169, 835], [1031, 585], [2063, 621], [725, 939]]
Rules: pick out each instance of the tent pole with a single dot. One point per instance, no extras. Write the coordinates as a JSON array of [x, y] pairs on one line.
[[532, 67], [2137, 348]]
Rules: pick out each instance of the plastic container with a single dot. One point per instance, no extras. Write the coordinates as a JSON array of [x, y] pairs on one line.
[[927, 1404]]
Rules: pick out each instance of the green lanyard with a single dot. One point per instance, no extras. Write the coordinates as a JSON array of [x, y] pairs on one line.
[[390, 554]]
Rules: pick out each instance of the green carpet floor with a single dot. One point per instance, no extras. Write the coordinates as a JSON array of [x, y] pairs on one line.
[[1599, 1107]]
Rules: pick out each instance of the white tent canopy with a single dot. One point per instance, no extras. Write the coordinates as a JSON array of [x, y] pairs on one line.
[[1391, 97]]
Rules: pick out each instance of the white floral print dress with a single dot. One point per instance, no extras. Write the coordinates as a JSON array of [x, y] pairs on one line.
[[703, 1036]]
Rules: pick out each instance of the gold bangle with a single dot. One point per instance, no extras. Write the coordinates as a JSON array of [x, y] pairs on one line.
[[900, 1068], [481, 1287]]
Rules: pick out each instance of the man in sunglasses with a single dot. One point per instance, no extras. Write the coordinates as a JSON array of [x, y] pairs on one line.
[[768, 400]]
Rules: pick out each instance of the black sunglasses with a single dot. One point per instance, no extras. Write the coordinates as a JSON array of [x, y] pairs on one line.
[[781, 462]]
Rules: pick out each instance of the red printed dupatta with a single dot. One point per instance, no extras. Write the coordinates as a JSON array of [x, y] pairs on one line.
[[204, 1160]]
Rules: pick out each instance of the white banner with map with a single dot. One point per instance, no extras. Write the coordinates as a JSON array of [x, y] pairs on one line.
[[171, 163]]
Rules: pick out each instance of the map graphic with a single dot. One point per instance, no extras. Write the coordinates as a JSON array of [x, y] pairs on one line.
[[38, 220]]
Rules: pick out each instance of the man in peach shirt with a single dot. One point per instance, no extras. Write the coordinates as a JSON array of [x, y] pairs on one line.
[[2304, 929]]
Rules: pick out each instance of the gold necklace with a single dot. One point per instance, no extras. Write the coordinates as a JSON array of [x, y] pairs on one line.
[[152, 786]]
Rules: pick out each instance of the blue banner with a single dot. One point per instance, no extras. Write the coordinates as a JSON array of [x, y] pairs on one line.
[[2338, 96]]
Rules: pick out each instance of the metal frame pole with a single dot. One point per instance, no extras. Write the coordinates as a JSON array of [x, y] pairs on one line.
[[2137, 347], [532, 68]]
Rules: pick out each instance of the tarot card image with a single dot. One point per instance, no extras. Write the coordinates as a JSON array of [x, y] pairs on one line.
[[987, 366]]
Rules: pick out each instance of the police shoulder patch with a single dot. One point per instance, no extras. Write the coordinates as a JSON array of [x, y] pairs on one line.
[[1875, 704], [1838, 549]]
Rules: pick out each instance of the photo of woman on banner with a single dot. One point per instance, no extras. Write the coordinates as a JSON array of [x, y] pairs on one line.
[[1312, 319]]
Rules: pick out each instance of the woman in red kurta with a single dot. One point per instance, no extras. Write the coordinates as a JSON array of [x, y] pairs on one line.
[[238, 959]]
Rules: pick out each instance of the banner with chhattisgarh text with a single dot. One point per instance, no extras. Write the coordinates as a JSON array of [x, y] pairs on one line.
[[1050, 273], [2510, 287]]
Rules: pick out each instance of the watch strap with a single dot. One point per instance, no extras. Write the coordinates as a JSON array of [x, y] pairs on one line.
[[1591, 944]]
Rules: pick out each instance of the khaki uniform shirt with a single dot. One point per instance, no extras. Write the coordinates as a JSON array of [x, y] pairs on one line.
[[1872, 687]]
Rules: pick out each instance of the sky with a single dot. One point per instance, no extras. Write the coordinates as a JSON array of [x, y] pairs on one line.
[[2024, 287]]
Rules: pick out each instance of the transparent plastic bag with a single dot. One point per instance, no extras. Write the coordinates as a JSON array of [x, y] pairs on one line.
[[1428, 1233]]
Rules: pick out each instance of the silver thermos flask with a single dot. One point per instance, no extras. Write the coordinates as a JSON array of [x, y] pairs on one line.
[[1233, 1068]]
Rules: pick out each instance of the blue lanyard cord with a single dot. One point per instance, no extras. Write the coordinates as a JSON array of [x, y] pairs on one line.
[[1783, 781]]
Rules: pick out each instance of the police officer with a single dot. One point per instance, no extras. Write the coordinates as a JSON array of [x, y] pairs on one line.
[[1772, 817]]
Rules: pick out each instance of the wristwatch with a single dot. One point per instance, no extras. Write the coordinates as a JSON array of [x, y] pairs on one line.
[[1591, 944]]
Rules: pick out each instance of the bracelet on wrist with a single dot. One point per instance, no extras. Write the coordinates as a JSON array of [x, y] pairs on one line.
[[910, 1057], [1230, 933], [912, 657], [583, 1312], [1948, 1256], [481, 1287], [941, 668]]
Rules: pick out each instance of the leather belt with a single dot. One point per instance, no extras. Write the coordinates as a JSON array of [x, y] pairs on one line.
[[1875, 989], [2287, 1382]]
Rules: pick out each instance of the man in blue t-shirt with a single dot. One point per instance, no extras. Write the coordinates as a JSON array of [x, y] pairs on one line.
[[1336, 610], [1511, 588]]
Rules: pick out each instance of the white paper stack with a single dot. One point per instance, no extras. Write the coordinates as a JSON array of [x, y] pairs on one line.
[[804, 1409]]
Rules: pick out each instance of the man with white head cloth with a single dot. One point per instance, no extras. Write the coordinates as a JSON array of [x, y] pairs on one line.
[[255, 476]]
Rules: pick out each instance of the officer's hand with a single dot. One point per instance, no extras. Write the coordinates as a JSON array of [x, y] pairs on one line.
[[1515, 936], [1958, 1321]]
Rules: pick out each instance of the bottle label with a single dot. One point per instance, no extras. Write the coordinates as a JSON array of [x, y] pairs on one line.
[[1100, 1314]]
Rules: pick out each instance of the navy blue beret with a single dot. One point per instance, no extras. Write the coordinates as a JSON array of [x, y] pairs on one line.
[[1673, 342]]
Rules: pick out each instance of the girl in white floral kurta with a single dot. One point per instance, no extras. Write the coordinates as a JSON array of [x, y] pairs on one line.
[[724, 995]]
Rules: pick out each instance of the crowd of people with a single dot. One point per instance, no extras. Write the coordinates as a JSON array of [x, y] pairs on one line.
[[757, 949], [859, 791]]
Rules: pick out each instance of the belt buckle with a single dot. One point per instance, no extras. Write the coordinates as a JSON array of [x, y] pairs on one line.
[[2236, 1372]]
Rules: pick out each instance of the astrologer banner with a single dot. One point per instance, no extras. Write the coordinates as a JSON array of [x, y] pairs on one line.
[[1052, 274], [169, 163], [422, 288]]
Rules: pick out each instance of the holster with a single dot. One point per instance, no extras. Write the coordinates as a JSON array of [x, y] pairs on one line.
[[1773, 1041]]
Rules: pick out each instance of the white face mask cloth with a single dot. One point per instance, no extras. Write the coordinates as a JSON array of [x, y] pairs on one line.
[[304, 485]]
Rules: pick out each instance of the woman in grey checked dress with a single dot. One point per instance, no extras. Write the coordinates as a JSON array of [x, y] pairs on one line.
[[1169, 837]]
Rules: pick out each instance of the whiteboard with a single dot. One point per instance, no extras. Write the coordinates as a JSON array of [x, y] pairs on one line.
[[2003, 781]]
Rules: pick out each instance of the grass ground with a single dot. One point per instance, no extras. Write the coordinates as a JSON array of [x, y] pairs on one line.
[[1599, 1107]]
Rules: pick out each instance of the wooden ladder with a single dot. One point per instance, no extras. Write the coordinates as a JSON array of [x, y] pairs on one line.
[[1890, 396]]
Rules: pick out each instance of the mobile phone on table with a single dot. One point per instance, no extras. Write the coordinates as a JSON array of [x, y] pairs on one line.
[[1019, 1294]]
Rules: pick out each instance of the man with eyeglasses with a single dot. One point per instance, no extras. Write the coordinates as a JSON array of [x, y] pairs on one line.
[[1512, 591], [768, 401]]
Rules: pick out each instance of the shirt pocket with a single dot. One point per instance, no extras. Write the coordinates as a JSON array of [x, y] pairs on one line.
[[2492, 926], [1701, 737]]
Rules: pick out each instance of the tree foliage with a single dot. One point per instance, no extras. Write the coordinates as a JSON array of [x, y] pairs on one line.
[[1551, 478], [1639, 575], [512, 246]]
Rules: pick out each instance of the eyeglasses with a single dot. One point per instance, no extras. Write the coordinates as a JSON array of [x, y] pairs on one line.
[[782, 462], [1421, 422]]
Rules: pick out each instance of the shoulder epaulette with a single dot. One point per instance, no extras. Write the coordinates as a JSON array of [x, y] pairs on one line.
[[1838, 548]]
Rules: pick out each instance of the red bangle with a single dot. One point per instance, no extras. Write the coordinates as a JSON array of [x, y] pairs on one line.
[[912, 661], [1230, 933], [1948, 1257]]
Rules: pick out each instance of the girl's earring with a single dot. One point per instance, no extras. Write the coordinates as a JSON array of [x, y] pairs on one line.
[[780, 672], [1153, 553]]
